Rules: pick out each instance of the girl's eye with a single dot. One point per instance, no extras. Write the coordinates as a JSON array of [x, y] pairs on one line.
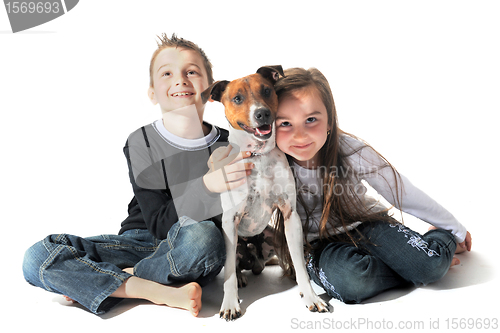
[[310, 120]]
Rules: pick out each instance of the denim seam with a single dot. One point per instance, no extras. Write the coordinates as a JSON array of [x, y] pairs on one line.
[[91, 265], [58, 250], [47, 262], [94, 306], [119, 279], [142, 248], [173, 269], [170, 242], [176, 272]]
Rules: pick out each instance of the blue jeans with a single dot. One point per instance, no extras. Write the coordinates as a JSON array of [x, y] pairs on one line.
[[89, 270], [391, 255]]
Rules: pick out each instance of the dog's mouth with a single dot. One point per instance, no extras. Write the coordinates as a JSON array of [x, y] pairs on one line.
[[261, 132]]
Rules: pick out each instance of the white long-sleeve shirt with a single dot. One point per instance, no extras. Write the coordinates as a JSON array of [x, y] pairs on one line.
[[367, 165]]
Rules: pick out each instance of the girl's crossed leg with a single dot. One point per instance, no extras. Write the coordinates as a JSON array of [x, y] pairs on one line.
[[389, 256]]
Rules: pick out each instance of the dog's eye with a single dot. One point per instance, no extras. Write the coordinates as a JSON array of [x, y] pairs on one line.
[[266, 92], [238, 99]]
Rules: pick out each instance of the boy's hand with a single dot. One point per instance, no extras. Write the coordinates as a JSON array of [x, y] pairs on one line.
[[225, 171]]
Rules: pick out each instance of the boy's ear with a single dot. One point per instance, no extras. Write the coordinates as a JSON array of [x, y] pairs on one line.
[[151, 95], [214, 92], [272, 73]]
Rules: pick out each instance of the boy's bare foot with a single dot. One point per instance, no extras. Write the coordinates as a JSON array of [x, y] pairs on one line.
[[129, 270], [68, 299], [186, 297]]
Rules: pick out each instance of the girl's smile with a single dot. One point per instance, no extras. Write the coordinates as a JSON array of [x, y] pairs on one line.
[[302, 125], [303, 146]]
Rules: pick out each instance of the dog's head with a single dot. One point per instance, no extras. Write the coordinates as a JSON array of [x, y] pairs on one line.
[[250, 102]]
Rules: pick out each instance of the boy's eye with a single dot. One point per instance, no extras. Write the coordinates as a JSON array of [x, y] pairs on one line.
[[166, 74], [284, 124], [191, 72]]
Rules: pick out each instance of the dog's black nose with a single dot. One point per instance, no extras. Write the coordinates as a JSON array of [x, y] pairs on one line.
[[263, 116]]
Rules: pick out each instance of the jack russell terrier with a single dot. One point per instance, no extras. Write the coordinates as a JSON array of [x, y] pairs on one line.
[[250, 107]]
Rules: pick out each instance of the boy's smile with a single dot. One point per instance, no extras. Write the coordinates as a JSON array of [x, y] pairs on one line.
[[179, 78], [301, 127]]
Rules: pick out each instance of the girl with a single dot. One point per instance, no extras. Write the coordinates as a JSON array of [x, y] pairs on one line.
[[355, 248]]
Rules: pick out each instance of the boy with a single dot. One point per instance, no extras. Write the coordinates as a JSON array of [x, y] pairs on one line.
[[163, 253]]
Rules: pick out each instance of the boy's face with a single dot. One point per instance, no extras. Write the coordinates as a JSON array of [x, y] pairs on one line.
[[179, 78]]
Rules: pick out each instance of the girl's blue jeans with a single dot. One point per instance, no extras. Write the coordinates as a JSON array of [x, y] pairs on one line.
[[89, 270], [391, 255]]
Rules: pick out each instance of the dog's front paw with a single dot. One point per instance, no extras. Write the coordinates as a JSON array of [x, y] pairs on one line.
[[314, 303], [230, 311]]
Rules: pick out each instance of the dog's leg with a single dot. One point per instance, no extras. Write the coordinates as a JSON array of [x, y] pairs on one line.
[[268, 252], [293, 234], [230, 308], [264, 250]]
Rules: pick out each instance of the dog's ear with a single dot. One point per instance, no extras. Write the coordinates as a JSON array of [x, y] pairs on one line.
[[272, 73], [215, 91]]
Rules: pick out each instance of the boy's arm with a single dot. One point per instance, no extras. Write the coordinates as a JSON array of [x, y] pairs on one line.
[[168, 188], [156, 205]]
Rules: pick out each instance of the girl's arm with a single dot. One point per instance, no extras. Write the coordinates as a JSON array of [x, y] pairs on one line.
[[379, 175]]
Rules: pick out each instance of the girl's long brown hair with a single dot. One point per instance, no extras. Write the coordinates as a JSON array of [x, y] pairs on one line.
[[340, 203]]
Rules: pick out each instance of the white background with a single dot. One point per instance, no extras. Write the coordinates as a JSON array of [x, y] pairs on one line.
[[419, 80]]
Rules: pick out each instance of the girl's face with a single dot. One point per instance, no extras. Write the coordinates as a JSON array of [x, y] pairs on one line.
[[302, 125]]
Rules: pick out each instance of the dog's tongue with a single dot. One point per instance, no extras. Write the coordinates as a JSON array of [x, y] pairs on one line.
[[263, 130]]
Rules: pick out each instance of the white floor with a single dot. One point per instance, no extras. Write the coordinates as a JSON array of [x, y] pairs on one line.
[[465, 293]]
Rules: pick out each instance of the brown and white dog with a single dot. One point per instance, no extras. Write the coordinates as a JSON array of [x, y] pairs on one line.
[[250, 107]]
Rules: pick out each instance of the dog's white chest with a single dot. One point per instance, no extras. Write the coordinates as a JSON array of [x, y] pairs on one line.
[[270, 184]]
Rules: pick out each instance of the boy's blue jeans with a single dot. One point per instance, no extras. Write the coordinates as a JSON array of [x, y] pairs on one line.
[[89, 270], [392, 255]]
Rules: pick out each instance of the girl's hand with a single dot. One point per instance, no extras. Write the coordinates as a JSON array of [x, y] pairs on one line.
[[225, 172], [465, 245]]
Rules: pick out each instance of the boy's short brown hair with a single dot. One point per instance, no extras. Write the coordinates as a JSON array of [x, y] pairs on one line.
[[174, 41]]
